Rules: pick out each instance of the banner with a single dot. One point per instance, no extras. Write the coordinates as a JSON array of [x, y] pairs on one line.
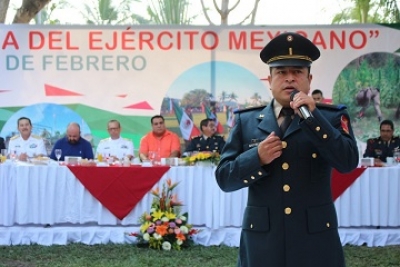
[[92, 74]]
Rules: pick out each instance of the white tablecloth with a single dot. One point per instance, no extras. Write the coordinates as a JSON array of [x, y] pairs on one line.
[[32, 196]]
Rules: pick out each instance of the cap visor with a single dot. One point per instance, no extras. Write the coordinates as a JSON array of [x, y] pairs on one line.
[[290, 63]]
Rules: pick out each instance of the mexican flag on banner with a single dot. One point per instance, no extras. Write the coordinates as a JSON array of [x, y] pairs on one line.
[[211, 115], [186, 125]]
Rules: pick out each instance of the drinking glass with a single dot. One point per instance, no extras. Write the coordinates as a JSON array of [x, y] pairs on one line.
[[58, 153]]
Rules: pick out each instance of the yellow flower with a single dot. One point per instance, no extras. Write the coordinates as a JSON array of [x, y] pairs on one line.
[[144, 227], [170, 215], [157, 215]]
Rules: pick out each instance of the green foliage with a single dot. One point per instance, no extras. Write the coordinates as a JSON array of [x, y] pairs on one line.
[[78, 255], [379, 70], [172, 12]]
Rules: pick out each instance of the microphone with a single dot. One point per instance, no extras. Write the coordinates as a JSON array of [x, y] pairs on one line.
[[303, 109]]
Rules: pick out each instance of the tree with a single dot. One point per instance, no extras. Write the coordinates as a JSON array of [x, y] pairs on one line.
[[27, 11], [173, 12], [110, 12], [369, 11], [224, 11]]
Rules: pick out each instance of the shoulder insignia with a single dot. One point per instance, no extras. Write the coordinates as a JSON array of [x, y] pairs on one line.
[[14, 137], [330, 106], [248, 109], [126, 139], [103, 140], [36, 136]]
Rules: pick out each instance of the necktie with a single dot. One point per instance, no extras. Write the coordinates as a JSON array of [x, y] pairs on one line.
[[287, 118]]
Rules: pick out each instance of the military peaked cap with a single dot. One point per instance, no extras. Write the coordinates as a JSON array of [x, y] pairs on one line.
[[289, 49]]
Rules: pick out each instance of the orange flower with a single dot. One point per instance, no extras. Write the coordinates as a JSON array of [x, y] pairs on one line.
[[181, 236], [169, 182], [155, 191], [162, 230]]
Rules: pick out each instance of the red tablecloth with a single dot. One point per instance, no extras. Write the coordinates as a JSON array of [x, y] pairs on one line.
[[341, 181], [118, 189]]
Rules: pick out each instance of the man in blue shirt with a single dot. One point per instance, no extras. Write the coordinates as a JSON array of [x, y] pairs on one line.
[[73, 145]]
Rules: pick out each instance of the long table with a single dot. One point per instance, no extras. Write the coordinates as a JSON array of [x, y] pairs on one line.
[[32, 197]]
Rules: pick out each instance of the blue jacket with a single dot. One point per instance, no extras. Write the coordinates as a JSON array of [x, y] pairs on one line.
[[290, 219], [82, 148]]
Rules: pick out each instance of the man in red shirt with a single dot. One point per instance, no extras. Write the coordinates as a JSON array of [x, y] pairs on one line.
[[160, 142]]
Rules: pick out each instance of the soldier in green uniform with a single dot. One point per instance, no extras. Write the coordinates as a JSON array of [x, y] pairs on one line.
[[290, 218], [208, 140], [383, 146]]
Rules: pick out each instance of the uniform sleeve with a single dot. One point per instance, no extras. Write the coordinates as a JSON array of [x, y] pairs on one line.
[[191, 146], [42, 148], [100, 148], [369, 150], [333, 136], [238, 167]]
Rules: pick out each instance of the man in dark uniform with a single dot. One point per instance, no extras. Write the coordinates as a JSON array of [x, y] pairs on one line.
[[290, 219], [383, 146], [208, 141], [2, 143]]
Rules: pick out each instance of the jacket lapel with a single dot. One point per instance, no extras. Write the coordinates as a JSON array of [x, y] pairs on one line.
[[268, 121]]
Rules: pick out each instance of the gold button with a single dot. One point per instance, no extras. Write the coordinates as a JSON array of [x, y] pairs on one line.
[[317, 128], [314, 155], [285, 166], [251, 225], [260, 173], [252, 177], [286, 188], [288, 211], [325, 136], [245, 181], [284, 144], [328, 225]]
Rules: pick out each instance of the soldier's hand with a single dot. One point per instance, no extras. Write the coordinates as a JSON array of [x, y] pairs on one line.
[[269, 149]]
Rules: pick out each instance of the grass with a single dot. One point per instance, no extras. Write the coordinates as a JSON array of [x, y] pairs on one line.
[[78, 255]]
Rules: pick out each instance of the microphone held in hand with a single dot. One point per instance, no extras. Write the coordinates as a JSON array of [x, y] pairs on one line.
[[305, 113]]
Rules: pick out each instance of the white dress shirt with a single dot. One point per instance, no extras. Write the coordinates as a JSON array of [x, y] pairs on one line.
[[33, 146], [119, 148]]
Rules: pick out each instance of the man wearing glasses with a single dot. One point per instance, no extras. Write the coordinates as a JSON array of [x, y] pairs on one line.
[[382, 147], [115, 146]]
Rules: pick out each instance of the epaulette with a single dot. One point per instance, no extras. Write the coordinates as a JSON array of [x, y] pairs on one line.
[[15, 137], [126, 139], [248, 109], [36, 136], [105, 139], [331, 106]]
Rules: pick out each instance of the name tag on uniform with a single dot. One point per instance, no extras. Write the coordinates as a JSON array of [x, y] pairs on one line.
[[124, 147], [254, 142]]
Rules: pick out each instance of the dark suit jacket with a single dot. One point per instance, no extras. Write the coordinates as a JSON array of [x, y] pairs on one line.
[[290, 219], [2, 143]]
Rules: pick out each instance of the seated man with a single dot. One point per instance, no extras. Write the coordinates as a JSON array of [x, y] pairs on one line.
[[160, 140], [115, 146], [26, 144], [73, 145], [208, 141], [382, 147], [317, 96]]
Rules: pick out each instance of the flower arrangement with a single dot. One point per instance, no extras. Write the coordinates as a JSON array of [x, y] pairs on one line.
[[212, 157], [164, 227]]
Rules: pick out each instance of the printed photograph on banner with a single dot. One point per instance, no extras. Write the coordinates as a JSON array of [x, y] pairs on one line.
[[369, 87], [211, 90], [49, 121]]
